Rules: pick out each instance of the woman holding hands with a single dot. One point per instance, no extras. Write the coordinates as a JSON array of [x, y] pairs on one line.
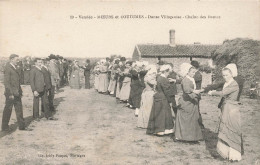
[[186, 125], [229, 144]]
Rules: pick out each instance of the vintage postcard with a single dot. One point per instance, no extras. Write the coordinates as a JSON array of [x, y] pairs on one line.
[[129, 82]]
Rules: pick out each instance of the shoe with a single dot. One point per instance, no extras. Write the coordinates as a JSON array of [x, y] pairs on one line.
[[168, 131], [37, 120], [25, 129], [136, 112], [8, 129], [52, 118]]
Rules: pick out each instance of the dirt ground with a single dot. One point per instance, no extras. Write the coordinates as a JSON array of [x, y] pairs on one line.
[[93, 129]]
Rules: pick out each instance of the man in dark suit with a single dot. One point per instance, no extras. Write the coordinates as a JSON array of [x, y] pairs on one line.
[[48, 82], [65, 68], [39, 89], [174, 79], [13, 94], [87, 69], [198, 81]]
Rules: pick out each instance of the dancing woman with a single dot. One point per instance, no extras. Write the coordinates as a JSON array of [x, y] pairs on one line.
[[229, 144], [187, 126], [125, 90], [161, 120], [103, 77], [147, 97], [74, 78]]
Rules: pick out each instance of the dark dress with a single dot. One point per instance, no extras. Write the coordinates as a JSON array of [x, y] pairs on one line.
[[161, 115], [187, 126], [198, 82], [173, 75], [137, 87], [87, 69]]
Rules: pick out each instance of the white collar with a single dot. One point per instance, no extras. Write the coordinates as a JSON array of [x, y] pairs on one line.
[[38, 67], [45, 67], [13, 65], [163, 75], [193, 81], [228, 83]]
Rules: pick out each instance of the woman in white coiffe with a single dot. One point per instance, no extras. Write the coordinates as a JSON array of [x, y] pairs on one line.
[[103, 77], [229, 144], [147, 96], [112, 83], [187, 120], [125, 90], [74, 78], [96, 74]]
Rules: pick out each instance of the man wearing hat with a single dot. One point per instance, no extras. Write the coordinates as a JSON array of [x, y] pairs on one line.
[[48, 82], [65, 68], [54, 69], [13, 94], [61, 70], [198, 81], [159, 65], [174, 79], [87, 70], [39, 87], [198, 75]]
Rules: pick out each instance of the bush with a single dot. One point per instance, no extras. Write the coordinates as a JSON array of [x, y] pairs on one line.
[[205, 68], [245, 53]]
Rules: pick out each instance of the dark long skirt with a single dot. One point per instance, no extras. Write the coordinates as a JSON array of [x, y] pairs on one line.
[[187, 121], [136, 93], [161, 115], [87, 82]]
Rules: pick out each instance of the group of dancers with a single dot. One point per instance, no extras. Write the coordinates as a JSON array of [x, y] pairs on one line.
[[150, 90]]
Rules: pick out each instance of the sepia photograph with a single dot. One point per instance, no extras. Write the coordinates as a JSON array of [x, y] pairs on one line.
[[122, 82]]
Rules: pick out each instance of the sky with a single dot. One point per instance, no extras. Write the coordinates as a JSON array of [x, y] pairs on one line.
[[39, 28]]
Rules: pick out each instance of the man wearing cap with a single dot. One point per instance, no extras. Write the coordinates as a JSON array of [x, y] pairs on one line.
[[13, 94], [39, 89], [198, 81]]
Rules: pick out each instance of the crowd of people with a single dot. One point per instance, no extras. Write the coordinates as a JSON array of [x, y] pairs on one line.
[[149, 89], [45, 77]]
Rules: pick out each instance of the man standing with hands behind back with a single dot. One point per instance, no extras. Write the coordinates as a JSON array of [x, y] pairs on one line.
[[13, 94]]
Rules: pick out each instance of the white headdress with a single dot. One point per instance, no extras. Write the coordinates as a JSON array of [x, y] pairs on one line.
[[139, 64], [151, 69], [233, 68], [102, 61], [145, 63], [165, 67], [185, 67], [134, 64]]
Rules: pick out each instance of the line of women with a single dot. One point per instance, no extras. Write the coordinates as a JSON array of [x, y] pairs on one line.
[[146, 88]]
